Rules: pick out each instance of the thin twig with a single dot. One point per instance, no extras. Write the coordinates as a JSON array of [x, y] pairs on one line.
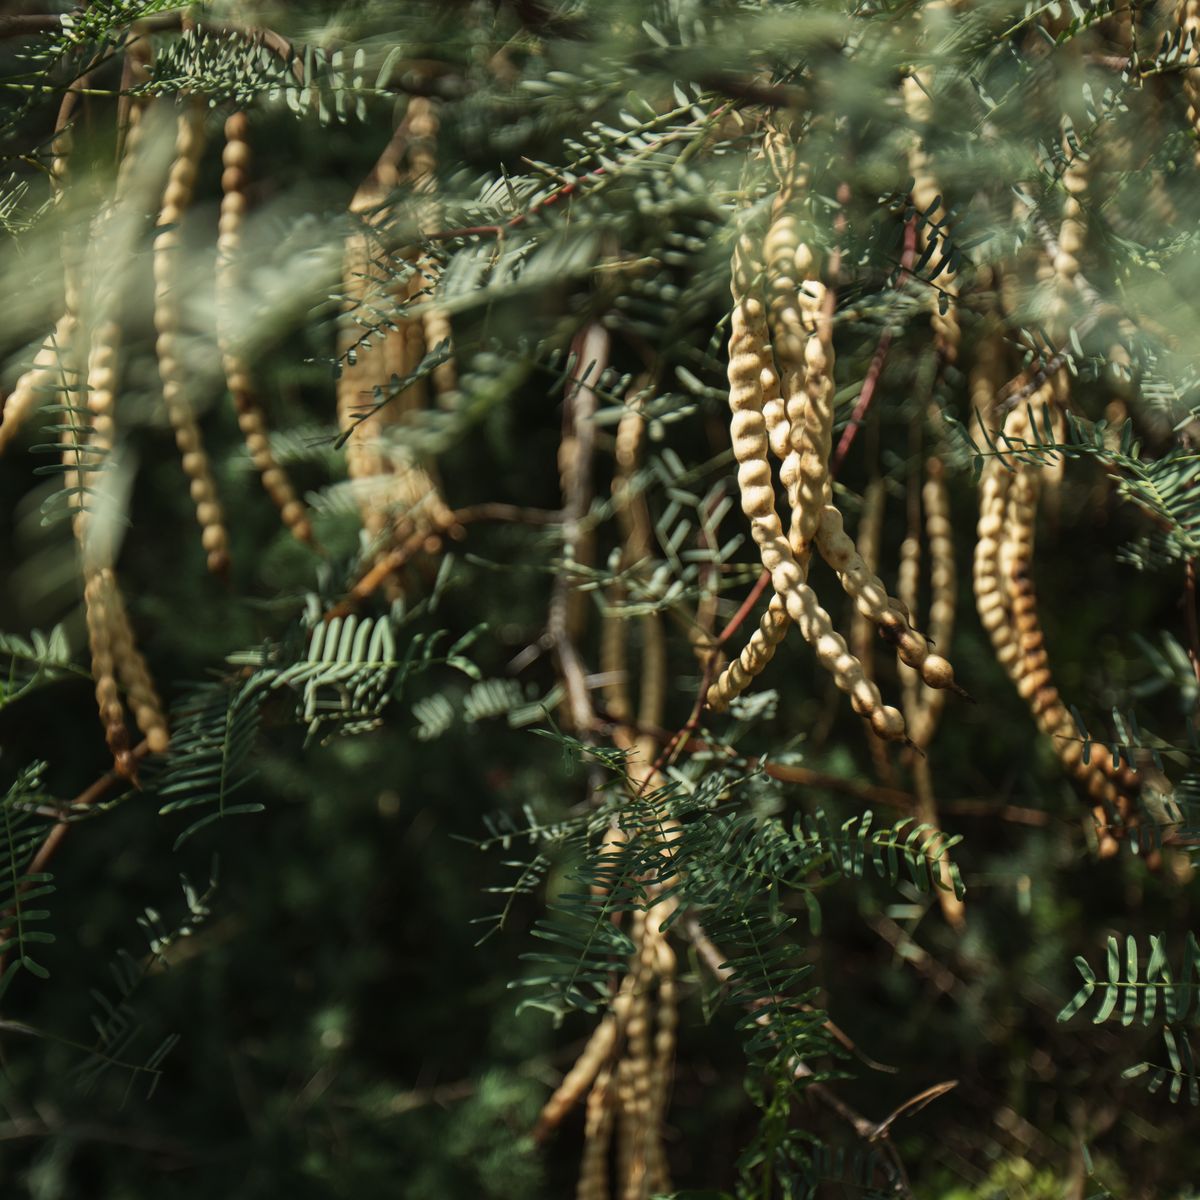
[[54, 839]]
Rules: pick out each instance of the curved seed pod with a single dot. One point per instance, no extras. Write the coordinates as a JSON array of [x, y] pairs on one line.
[[235, 159], [53, 356], [908, 575], [633, 519], [423, 122], [110, 635], [115, 235], [576, 1081], [991, 598], [872, 600], [757, 652], [1073, 230], [1189, 21], [637, 1138], [658, 1178], [748, 430], [923, 706], [800, 421], [774, 623], [593, 1171], [44, 376], [806, 477], [168, 319], [135, 675], [1108, 783], [399, 497], [98, 588], [947, 333]]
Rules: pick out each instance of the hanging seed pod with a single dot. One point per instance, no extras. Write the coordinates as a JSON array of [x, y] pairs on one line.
[[169, 288], [598, 1127], [134, 674], [45, 376], [872, 600], [748, 431], [579, 1078], [1189, 23], [98, 589], [423, 122], [927, 199], [925, 708], [399, 497], [236, 158], [47, 371], [658, 1179], [1004, 563]]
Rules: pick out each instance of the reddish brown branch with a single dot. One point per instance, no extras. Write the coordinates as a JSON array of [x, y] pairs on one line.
[[58, 832]]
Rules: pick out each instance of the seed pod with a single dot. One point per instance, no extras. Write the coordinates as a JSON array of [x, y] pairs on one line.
[[658, 1179], [45, 376], [236, 158], [134, 674], [872, 600], [579, 1078], [52, 366], [749, 436], [169, 285], [991, 598], [923, 705], [398, 496], [1004, 562], [1189, 21], [757, 652], [593, 1171], [98, 613], [947, 333]]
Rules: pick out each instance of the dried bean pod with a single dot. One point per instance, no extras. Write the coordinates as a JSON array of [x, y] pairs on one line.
[[169, 285], [924, 705], [593, 1171], [235, 160], [927, 199], [98, 589], [45, 375], [1107, 783], [579, 1078], [748, 430], [1189, 22], [135, 675], [872, 600], [658, 1178]]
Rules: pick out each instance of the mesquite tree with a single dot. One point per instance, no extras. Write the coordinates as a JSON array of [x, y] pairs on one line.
[[425, 424]]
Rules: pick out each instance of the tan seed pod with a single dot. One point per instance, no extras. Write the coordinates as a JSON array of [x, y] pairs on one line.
[[45, 376], [169, 285], [750, 445], [1189, 22], [593, 1172], [236, 158], [135, 675], [1004, 563], [98, 589], [926, 193], [872, 600]]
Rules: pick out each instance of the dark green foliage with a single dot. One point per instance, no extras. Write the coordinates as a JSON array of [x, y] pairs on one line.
[[422, 912]]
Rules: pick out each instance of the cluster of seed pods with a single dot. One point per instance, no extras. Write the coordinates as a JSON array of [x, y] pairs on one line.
[[81, 360], [398, 496], [781, 400], [1007, 603]]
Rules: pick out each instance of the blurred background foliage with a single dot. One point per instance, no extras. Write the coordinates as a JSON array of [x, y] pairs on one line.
[[342, 1031]]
